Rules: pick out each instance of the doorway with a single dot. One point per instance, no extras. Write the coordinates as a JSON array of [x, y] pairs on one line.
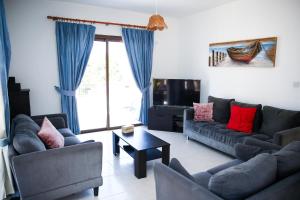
[[108, 96]]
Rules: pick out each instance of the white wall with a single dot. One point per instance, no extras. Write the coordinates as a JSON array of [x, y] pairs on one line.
[[180, 52], [245, 19], [34, 58]]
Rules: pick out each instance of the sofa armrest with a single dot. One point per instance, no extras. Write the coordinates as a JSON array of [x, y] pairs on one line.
[[188, 114], [287, 188], [171, 185], [59, 120], [285, 137], [44, 171]]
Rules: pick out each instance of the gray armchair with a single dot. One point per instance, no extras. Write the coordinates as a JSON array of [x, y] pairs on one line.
[[55, 173]]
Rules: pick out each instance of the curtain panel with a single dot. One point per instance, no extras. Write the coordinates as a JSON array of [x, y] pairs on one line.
[[5, 53], [139, 47], [6, 184], [74, 45]]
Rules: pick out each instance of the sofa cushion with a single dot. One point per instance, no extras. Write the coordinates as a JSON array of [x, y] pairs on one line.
[[176, 165], [221, 109], [261, 137], [240, 181], [22, 123], [27, 142], [288, 159], [66, 132], [215, 131], [241, 119], [258, 114], [276, 119], [68, 141], [202, 178], [203, 111], [50, 135], [218, 168]]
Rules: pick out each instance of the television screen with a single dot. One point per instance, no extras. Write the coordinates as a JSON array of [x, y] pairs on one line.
[[177, 92]]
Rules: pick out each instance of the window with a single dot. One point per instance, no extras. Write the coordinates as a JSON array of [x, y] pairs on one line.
[[108, 96]]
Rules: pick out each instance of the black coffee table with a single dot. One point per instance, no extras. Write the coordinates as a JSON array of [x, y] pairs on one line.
[[142, 147]]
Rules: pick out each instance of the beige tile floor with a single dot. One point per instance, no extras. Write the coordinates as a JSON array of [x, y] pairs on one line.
[[119, 182]]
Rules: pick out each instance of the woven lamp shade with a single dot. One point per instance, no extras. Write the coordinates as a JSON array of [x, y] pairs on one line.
[[156, 22]]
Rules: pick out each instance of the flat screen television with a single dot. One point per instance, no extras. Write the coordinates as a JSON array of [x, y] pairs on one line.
[[177, 92]]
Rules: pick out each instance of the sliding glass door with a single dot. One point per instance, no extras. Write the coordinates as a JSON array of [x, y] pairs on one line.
[[108, 96]]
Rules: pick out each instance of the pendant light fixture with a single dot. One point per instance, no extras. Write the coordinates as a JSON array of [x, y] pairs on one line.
[[156, 22]]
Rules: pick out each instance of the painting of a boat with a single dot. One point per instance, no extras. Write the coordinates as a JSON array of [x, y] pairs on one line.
[[253, 53], [245, 54]]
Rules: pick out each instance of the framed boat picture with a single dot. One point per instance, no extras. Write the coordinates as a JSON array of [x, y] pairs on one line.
[[244, 53]]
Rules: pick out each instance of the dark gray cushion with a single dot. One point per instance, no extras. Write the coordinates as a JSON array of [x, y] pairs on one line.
[[262, 137], [202, 179], [245, 152], [221, 109], [276, 119], [265, 145], [288, 159], [22, 117], [224, 166], [176, 165], [293, 146], [258, 115], [240, 181], [71, 141], [23, 122], [66, 132], [27, 143]]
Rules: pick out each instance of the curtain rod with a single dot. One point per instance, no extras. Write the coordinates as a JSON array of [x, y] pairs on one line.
[[54, 18]]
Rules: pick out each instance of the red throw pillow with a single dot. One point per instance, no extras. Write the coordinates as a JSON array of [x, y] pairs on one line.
[[203, 111], [50, 135], [241, 119]]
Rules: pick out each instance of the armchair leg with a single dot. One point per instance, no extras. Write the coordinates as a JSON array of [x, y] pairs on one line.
[[96, 191]]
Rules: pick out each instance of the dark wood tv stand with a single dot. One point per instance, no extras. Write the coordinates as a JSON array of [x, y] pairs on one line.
[[166, 118]]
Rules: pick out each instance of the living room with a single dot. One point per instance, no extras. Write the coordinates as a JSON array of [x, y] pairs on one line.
[[182, 50]]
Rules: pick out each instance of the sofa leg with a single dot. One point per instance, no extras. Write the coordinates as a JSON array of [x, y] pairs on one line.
[[96, 191], [187, 137]]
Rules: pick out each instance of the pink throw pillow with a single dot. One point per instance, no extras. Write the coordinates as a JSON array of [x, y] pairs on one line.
[[203, 111], [50, 135]]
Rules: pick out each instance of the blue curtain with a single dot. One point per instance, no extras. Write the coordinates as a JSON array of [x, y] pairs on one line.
[[5, 54], [74, 45], [139, 47]]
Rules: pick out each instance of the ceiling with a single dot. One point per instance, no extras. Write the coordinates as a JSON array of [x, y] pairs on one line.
[[175, 8]]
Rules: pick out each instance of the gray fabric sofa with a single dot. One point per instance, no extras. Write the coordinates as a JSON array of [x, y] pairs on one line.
[[42, 173], [271, 124], [266, 176]]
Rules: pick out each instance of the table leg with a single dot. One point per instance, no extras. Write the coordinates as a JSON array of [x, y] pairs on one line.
[[165, 154], [140, 166], [116, 147]]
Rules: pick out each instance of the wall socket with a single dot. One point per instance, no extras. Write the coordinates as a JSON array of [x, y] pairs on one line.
[[296, 84]]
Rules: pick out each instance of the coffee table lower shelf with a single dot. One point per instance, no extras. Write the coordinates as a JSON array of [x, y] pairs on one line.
[[151, 154]]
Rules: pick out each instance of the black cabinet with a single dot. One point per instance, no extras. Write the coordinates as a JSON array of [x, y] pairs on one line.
[[166, 118], [19, 101]]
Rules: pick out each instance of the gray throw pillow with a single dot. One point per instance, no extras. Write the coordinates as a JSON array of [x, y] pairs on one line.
[[276, 119], [176, 165], [66, 132], [27, 143], [288, 160], [221, 109], [71, 141], [240, 181]]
